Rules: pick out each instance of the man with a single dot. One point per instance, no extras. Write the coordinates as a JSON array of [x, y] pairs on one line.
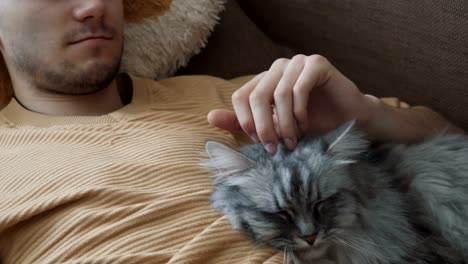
[[99, 167]]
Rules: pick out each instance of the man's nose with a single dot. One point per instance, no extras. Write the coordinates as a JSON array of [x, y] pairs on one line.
[[89, 9]]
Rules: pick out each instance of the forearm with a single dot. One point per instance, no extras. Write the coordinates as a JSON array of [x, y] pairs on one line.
[[398, 125]]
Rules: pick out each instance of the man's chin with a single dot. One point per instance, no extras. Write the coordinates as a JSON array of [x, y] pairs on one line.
[[81, 82]]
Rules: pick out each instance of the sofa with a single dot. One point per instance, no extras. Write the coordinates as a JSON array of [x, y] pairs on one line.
[[415, 50]]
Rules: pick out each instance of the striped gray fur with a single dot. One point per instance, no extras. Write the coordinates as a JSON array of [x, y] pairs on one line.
[[334, 199]]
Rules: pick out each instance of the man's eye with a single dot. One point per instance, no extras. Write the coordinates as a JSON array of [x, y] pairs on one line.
[[285, 215]]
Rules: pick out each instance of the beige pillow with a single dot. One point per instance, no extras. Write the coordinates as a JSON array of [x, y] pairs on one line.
[[161, 45]]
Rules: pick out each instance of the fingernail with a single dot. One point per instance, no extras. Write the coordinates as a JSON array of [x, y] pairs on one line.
[[255, 138], [271, 148], [290, 143]]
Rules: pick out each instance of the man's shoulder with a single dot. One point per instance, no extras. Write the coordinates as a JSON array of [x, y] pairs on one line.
[[188, 90], [202, 81], [183, 80], [188, 85]]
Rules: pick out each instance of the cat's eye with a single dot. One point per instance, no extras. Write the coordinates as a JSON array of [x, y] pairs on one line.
[[318, 209], [285, 215]]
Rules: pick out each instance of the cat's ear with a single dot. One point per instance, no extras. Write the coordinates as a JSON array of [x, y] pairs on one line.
[[346, 141], [226, 160]]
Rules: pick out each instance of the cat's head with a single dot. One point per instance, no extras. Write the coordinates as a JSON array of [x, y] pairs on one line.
[[292, 200]]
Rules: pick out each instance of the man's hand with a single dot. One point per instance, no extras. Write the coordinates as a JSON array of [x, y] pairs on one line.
[[303, 95], [307, 95]]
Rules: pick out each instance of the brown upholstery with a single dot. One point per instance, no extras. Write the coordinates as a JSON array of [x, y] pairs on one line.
[[236, 48]]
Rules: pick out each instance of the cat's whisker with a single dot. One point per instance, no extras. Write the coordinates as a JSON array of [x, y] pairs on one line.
[[290, 257], [354, 240], [281, 242], [287, 255], [356, 244], [402, 227], [251, 252], [360, 241], [356, 247], [229, 259]]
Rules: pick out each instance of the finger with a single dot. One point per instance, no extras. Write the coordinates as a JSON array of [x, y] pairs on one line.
[[224, 119], [275, 121], [241, 105], [260, 102], [284, 101], [315, 73]]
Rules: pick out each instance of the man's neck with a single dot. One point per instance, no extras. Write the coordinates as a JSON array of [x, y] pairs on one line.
[[100, 103]]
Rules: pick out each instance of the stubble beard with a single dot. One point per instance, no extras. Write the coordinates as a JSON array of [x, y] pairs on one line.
[[66, 77]]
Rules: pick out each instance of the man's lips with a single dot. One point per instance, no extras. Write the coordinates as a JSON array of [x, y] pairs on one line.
[[97, 38]]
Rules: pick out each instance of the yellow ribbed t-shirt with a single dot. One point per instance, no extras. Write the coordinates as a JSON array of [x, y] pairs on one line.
[[119, 188]]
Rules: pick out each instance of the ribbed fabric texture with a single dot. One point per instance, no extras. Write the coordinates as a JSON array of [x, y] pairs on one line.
[[121, 188]]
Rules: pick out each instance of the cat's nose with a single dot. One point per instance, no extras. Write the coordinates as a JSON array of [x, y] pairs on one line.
[[310, 239]]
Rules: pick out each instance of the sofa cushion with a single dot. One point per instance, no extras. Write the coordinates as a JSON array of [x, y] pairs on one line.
[[162, 44], [236, 47]]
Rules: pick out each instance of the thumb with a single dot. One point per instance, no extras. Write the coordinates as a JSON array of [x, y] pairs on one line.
[[224, 119]]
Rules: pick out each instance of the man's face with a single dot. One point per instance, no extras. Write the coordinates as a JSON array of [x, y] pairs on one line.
[[68, 47]]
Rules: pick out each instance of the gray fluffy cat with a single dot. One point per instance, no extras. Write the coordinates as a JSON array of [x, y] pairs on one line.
[[334, 199]]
